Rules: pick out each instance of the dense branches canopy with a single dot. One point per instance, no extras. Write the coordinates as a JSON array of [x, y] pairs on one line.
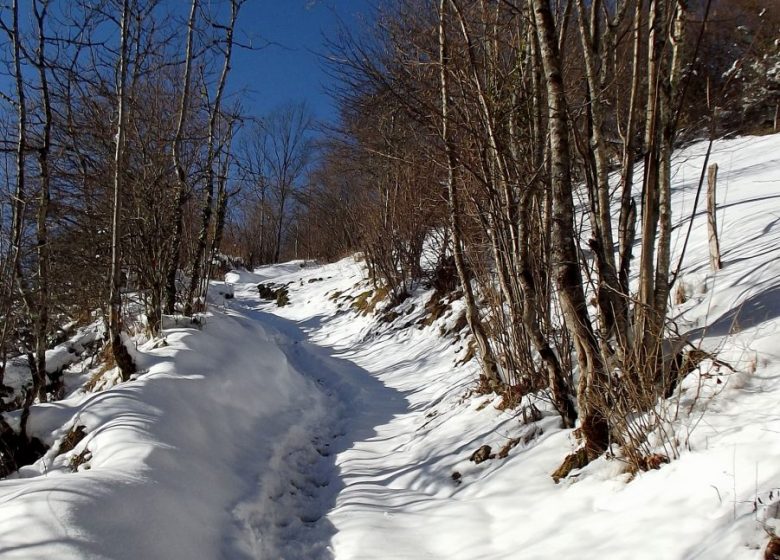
[[496, 142]]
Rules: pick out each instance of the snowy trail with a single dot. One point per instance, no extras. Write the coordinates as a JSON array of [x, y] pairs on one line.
[[397, 497], [370, 506], [224, 447], [286, 515], [389, 497]]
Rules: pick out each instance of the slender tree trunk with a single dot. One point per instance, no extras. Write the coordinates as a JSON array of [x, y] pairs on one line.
[[627, 223], [669, 100], [279, 230], [646, 323], [489, 367], [219, 223], [17, 279], [612, 303], [214, 118], [594, 426], [712, 223], [42, 314], [559, 388], [181, 175], [593, 57], [118, 348]]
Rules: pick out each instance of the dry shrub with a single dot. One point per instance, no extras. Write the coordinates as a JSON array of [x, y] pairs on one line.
[[641, 402], [107, 363], [486, 386], [72, 439], [77, 460], [436, 307], [512, 395]]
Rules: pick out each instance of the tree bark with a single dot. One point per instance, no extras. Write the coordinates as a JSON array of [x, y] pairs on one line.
[[489, 367], [207, 211], [181, 174], [712, 224], [42, 314], [627, 220], [668, 103], [121, 355], [594, 426]]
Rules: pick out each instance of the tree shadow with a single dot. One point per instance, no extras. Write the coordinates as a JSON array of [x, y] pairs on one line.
[[755, 310]]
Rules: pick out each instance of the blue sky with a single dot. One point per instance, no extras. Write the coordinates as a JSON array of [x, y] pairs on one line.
[[289, 69]]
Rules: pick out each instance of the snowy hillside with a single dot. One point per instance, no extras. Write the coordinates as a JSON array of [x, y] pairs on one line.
[[316, 431]]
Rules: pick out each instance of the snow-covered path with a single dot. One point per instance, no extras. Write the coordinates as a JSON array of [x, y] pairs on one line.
[[224, 447], [284, 517]]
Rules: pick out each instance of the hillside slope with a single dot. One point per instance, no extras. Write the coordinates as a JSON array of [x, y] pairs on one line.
[[315, 430]]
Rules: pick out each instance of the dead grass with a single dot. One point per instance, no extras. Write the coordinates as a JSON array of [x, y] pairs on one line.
[[72, 439], [360, 303], [436, 307], [574, 461], [77, 460], [366, 302], [107, 363]]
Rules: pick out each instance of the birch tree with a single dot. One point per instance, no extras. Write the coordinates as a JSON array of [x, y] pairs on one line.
[[115, 324]]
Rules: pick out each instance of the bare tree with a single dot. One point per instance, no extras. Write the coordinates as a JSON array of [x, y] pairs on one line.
[[121, 355], [286, 151], [182, 186], [212, 155], [472, 313]]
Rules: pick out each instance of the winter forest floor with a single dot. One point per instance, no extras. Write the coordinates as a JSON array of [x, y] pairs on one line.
[[316, 431]]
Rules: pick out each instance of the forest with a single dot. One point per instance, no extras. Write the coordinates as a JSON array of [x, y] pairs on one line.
[[515, 156]]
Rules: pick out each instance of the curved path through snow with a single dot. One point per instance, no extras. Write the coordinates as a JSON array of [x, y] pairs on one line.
[[285, 517]]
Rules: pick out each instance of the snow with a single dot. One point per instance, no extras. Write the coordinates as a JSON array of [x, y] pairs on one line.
[[72, 351], [313, 431]]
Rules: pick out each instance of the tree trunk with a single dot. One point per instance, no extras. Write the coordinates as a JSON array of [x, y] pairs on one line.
[[178, 165], [201, 256], [118, 349], [627, 220], [42, 314], [669, 104], [646, 323], [489, 367], [594, 426]]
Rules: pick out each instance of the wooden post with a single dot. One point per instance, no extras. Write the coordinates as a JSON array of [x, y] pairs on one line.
[[712, 225]]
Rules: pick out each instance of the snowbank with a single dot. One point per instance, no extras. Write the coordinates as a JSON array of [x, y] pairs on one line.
[[170, 454]]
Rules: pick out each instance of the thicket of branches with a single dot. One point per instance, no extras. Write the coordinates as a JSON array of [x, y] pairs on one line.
[[487, 146], [502, 136], [117, 158]]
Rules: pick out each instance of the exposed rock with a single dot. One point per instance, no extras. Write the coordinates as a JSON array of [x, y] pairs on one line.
[[481, 455], [576, 460]]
